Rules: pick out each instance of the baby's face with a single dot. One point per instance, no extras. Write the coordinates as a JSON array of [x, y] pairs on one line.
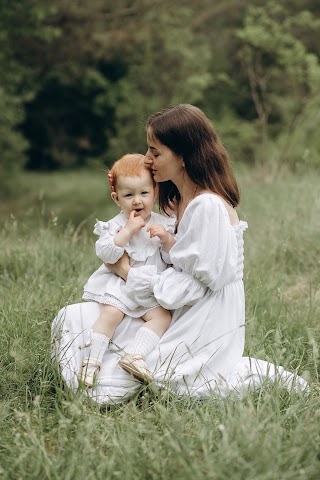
[[135, 193]]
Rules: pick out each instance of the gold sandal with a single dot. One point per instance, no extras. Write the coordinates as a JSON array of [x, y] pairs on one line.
[[89, 377], [136, 366]]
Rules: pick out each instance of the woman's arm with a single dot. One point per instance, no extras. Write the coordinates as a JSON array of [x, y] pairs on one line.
[[172, 289], [121, 267]]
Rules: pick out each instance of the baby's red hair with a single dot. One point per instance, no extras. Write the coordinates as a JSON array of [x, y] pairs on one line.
[[130, 165]]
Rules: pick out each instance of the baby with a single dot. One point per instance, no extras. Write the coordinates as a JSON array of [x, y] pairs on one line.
[[147, 237]]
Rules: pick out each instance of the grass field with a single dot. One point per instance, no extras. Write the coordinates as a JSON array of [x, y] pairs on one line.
[[46, 432]]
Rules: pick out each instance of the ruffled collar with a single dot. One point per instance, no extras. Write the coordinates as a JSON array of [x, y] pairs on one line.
[[141, 246]]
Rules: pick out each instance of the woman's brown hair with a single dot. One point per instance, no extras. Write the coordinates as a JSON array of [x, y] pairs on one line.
[[187, 131]]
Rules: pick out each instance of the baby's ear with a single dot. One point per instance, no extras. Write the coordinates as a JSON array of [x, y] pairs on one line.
[[114, 197], [156, 191]]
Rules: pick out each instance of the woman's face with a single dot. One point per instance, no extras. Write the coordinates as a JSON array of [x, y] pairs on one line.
[[164, 163]]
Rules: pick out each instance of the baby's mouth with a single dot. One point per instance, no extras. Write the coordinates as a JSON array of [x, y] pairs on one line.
[[138, 209]]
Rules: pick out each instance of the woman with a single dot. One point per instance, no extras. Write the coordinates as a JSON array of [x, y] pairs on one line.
[[202, 350]]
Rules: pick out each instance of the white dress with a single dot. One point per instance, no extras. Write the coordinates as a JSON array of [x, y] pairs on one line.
[[104, 286], [202, 351]]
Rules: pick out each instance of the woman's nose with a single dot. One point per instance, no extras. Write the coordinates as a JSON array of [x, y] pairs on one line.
[[148, 158]]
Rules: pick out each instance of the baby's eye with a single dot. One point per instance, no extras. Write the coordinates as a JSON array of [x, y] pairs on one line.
[[128, 195], [144, 193], [156, 155]]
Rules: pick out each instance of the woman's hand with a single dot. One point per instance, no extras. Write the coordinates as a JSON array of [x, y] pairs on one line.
[[121, 267]]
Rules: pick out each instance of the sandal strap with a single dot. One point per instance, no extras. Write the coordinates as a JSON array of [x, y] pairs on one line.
[[92, 363], [137, 357]]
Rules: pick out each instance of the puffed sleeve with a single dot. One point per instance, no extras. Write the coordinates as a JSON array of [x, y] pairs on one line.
[[204, 256], [106, 250], [206, 247], [165, 256], [172, 289]]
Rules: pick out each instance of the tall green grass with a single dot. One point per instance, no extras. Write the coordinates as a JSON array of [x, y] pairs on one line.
[[48, 432]]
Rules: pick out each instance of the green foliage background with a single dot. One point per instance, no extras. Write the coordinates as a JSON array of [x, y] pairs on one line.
[[77, 79]]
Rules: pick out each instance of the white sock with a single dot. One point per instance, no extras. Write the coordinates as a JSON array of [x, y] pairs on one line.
[[98, 345], [144, 341]]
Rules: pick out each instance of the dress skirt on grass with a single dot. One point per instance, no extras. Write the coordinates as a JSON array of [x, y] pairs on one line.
[[202, 351]]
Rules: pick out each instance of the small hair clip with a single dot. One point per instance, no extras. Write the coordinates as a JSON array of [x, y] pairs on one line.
[[110, 177]]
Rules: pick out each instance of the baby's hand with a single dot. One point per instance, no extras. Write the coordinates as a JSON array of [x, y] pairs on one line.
[[166, 239], [158, 231], [134, 223]]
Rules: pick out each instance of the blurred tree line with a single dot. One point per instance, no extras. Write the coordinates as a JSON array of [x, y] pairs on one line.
[[78, 78]]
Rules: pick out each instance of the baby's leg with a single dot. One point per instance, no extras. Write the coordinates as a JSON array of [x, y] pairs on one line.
[[157, 323], [100, 335], [158, 320], [110, 317]]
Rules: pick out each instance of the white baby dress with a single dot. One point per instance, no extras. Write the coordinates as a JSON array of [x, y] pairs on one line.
[[104, 286]]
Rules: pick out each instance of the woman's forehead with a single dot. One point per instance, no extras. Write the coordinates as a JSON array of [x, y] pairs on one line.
[[152, 139]]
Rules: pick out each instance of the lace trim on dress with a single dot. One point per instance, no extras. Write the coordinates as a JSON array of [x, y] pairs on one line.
[[112, 227], [240, 227], [145, 251], [113, 301]]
